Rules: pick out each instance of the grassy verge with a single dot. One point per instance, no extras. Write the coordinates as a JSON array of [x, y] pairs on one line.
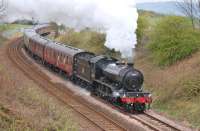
[[2, 40], [176, 86], [30, 108], [9, 122]]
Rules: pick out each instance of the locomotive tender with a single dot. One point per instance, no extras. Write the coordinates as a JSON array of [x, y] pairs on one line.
[[119, 83]]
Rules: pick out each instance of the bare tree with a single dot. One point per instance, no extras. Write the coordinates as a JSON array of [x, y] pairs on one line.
[[198, 11], [188, 8], [3, 6]]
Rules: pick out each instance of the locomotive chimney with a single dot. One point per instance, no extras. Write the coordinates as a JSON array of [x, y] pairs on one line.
[[126, 63], [130, 64]]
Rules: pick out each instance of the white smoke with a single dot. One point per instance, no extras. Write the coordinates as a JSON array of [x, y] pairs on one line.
[[117, 18]]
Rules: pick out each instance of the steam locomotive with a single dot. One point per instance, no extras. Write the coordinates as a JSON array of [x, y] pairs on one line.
[[116, 82]]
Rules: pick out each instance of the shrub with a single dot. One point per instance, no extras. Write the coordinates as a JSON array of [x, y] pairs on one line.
[[142, 26], [173, 39], [191, 88]]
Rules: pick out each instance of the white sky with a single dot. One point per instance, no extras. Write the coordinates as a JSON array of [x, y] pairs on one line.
[[144, 1]]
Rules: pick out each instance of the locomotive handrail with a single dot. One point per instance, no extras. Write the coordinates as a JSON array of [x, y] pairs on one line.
[[135, 94]]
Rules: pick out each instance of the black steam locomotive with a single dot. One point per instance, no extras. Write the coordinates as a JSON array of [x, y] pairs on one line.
[[119, 83]]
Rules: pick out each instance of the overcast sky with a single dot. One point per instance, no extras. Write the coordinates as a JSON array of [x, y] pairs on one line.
[[142, 1]]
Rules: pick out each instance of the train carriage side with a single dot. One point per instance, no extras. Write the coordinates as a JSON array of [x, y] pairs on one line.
[[50, 53], [28, 34], [61, 56], [39, 46]]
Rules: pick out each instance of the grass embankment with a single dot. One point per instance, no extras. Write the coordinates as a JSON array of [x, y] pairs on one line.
[[168, 55], [88, 40], [10, 122], [31, 109], [23, 105]]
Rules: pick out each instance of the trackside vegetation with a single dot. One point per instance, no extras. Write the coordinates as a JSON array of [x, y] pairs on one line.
[[173, 39], [168, 54], [141, 29]]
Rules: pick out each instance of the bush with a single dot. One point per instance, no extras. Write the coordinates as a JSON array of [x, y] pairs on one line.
[[140, 32], [191, 88], [173, 39]]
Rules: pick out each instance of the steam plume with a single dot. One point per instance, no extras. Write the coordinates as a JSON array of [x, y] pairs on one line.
[[117, 18]]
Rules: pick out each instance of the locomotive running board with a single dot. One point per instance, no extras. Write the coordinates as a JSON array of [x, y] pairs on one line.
[[135, 94]]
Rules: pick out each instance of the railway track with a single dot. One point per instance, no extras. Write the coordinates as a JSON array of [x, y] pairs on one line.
[[151, 120], [95, 118], [157, 124]]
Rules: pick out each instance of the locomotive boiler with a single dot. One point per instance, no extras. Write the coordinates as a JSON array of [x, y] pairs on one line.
[[124, 75]]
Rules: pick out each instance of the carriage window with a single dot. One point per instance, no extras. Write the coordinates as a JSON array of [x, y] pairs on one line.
[[51, 53], [38, 47], [48, 51], [58, 56], [61, 57], [64, 60], [67, 59], [55, 54]]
